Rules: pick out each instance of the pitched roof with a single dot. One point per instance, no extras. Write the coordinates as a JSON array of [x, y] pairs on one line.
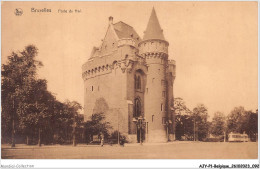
[[94, 52], [124, 30], [153, 30]]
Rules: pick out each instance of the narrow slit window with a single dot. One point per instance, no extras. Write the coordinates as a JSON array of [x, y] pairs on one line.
[[163, 94], [92, 88], [163, 120], [135, 82], [161, 107], [138, 82]]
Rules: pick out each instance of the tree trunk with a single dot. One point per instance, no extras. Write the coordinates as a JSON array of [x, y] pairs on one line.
[[74, 137], [74, 134], [224, 136], [197, 132], [13, 134], [39, 138], [74, 140], [27, 140], [194, 131], [13, 127]]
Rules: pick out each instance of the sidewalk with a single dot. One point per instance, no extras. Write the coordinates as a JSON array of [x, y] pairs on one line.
[[24, 146], [167, 143]]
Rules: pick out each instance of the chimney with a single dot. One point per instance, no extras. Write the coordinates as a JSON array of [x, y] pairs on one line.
[[110, 20]]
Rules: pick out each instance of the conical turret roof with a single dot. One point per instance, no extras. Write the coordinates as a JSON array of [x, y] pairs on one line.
[[153, 30]]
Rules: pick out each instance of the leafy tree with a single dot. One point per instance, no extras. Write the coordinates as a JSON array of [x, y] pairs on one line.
[[236, 120], [66, 122], [239, 121], [72, 109], [253, 126], [36, 113], [200, 116], [218, 124], [183, 119], [28, 108], [17, 76], [114, 138], [56, 108], [184, 127], [96, 125], [180, 107]]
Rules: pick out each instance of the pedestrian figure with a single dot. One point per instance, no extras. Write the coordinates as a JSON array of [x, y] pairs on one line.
[[101, 139], [122, 141]]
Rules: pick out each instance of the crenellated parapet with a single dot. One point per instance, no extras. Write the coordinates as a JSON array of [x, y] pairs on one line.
[[155, 57], [172, 67], [100, 70], [153, 46], [125, 65], [151, 55], [172, 62]]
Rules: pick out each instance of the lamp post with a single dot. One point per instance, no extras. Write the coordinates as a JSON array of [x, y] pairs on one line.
[[194, 136], [167, 130], [139, 121], [167, 124], [118, 134], [13, 125], [224, 136], [74, 132]]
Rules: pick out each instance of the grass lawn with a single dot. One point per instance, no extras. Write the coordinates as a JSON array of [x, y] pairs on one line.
[[174, 150]]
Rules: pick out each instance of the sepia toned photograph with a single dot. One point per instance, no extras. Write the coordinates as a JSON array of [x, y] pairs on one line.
[[129, 80]]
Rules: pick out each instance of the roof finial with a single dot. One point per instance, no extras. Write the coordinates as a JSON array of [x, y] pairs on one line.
[[110, 20]]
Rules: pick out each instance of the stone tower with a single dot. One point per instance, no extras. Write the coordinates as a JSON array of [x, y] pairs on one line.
[[158, 110], [131, 80]]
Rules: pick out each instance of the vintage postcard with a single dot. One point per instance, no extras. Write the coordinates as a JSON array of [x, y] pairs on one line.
[[130, 80]]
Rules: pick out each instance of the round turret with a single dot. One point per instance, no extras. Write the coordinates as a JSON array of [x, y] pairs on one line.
[[154, 49]]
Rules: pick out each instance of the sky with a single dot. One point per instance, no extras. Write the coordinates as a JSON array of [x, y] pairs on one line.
[[214, 44]]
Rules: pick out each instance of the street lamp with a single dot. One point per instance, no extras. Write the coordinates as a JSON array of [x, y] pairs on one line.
[[168, 123], [139, 121]]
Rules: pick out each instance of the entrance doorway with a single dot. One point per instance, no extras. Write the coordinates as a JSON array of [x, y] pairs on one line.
[[140, 134]]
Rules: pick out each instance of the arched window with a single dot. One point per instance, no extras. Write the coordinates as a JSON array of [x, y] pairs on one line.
[[137, 82], [137, 110]]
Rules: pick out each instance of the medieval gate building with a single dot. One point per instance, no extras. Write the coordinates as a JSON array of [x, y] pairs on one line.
[[130, 79]]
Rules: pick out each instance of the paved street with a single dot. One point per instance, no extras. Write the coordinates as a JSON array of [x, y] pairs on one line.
[[174, 150]]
